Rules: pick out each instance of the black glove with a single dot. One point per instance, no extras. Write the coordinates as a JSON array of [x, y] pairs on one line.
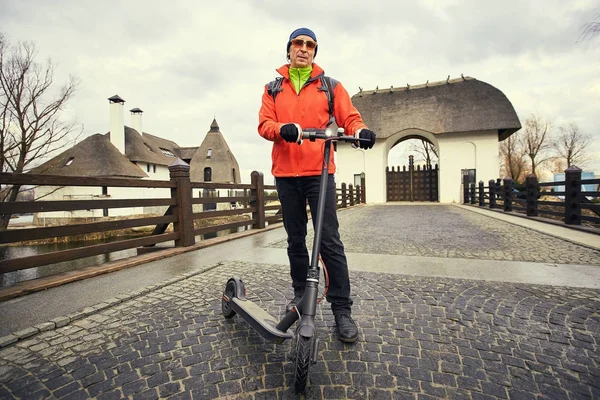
[[367, 134], [289, 133]]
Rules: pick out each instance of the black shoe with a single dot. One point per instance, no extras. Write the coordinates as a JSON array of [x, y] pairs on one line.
[[293, 303], [346, 328]]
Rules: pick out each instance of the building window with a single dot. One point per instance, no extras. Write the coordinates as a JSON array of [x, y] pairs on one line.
[[207, 174], [154, 168], [69, 161], [167, 152], [147, 167], [148, 147], [209, 153], [357, 180], [470, 174]]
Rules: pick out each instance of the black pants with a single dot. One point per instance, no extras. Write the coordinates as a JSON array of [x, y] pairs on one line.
[[293, 194]]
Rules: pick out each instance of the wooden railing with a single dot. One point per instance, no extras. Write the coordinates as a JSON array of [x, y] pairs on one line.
[[571, 206], [254, 212]]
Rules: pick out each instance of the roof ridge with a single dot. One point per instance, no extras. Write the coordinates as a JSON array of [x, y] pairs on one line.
[[418, 86]]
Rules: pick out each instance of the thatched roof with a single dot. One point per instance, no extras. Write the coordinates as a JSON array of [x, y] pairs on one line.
[[97, 156], [223, 165], [457, 105], [93, 156], [149, 148], [186, 153]]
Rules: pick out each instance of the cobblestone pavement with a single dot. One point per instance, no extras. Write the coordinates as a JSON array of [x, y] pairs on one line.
[[448, 231], [420, 338]]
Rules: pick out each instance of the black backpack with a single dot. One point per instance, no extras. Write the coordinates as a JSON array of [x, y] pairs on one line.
[[327, 86]]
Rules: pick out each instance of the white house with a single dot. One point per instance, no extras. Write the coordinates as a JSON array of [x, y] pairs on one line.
[[463, 118], [128, 152]]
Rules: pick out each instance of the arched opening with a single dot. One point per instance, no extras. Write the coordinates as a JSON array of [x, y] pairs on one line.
[[412, 167], [421, 148]]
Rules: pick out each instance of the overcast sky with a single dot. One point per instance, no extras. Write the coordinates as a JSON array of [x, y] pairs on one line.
[[185, 62]]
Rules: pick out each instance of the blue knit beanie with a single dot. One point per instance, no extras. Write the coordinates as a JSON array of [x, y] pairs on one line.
[[298, 32]]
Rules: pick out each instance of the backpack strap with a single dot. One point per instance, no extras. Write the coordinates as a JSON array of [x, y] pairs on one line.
[[274, 87], [327, 86]]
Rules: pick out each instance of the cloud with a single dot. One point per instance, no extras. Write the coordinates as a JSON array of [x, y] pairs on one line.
[[186, 62]]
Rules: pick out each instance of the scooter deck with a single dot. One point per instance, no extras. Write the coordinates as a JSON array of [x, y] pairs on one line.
[[263, 322]]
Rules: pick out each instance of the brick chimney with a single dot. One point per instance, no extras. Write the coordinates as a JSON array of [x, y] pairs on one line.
[[136, 119], [117, 123]]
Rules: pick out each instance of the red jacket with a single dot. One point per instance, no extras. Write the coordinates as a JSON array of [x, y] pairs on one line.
[[309, 109]]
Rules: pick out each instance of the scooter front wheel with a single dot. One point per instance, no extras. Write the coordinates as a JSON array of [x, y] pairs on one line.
[[228, 294], [304, 350]]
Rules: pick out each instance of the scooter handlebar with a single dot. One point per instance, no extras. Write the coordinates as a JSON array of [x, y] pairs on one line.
[[325, 134]]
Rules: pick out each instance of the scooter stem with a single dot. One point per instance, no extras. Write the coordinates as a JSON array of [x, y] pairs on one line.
[[314, 260]]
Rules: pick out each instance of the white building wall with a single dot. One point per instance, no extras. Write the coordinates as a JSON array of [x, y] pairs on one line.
[[457, 151], [478, 150], [155, 172]]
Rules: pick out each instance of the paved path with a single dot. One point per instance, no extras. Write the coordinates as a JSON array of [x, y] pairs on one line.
[[424, 332]]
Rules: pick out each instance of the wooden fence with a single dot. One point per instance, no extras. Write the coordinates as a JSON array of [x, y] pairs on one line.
[[255, 210], [571, 205]]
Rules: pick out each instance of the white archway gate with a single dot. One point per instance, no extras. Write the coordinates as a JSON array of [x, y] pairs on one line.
[[464, 118]]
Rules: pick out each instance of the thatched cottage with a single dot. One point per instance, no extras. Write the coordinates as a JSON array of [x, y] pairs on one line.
[[463, 118], [129, 152]]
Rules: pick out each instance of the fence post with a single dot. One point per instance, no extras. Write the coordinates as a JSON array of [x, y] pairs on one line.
[[472, 195], [573, 196], [499, 187], [344, 202], [258, 191], [481, 194], [492, 190], [358, 194], [532, 187], [351, 194], [363, 187], [411, 169], [508, 193], [179, 172], [465, 189]]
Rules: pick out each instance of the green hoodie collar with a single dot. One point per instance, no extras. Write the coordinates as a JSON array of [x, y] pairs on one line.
[[299, 76]]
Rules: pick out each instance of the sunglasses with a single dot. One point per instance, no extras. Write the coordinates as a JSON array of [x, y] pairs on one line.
[[299, 43]]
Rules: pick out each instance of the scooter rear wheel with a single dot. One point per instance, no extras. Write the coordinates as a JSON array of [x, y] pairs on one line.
[[304, 350], [228, 294]]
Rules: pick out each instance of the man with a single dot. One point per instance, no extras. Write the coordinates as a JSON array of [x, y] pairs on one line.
[[302, 102]]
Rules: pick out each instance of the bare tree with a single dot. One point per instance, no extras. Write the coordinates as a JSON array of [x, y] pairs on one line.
[[31, 127], [572, 146], [537, 141], [426, 150], [513, 159]]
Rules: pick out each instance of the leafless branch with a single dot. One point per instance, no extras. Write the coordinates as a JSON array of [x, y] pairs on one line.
[[426, 150], [31, 125], [537, 141], [512, 156], [573, 145]]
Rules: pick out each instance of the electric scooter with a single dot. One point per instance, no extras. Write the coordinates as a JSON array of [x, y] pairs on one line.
[[234, 300]]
